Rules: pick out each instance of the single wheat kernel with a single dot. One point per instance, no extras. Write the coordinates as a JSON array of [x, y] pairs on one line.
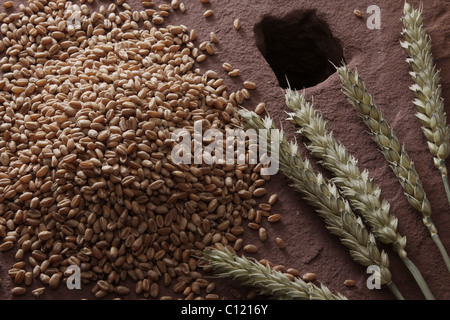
[[55, 280], [280, 243], [274, 218], [158, 20], [175, 4], [8, 4], [266, 263], [210, 49], [121, 290], [278, 267], [237, 24], [18, 291], [349, 283], [253, 226], [289, 276], [262, 234], [208, 13], [238, 244], [211, 74], [293, 271], [260, 108], [273, 199], [258, 216], [249, 85], [358, 13], [234, 73], [201, 58], [259, 192], [245, 94], [164, 7], [309, 276], [147, 4], [38, 292], [227, 66], [213, 37], [250, 248]]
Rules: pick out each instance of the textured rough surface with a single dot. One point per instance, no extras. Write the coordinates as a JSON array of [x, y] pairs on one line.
[[380, 60]]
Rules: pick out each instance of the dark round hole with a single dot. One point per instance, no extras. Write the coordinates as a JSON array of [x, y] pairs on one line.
[[299, 47]]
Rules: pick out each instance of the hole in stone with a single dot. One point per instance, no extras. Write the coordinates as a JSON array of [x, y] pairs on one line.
[[300, 47]]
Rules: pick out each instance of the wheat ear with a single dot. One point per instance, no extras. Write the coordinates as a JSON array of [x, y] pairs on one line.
[[428, 102], [385, 137], [264, 279], [329, 204], [361, 191]]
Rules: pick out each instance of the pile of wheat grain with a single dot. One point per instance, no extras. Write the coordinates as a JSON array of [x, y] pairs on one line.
[[86, 176]]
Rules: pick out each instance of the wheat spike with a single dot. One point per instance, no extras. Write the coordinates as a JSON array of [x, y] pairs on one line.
[[361, 191], [429, 102], [330, 205], [357, 187], [264, 279], [385, 137]]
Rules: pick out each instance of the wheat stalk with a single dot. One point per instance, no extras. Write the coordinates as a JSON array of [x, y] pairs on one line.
[[264, 279], [385, 137], [361, 191], [429, 102], [329, 204]]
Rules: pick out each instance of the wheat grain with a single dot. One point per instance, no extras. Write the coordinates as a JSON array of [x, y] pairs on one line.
[[102, 158], [329, 204], [429, 102], [400, 162], [264, 279], [237, 24], [361, 191], [280, 243], [250, 248], [349, 283], [358, 13], [208, 13]]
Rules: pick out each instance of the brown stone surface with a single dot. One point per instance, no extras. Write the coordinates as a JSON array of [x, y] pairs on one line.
[[380, 61]]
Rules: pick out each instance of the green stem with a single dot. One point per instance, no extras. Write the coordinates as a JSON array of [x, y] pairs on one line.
[[393, 288], [414, 271], [442, 250], [419, 279], [434, 235], [446, 183]]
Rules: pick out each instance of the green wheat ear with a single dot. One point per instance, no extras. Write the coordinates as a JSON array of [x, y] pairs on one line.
[[330, 205], [264, 279], [400, 162], [427, 89], [361, 191]]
